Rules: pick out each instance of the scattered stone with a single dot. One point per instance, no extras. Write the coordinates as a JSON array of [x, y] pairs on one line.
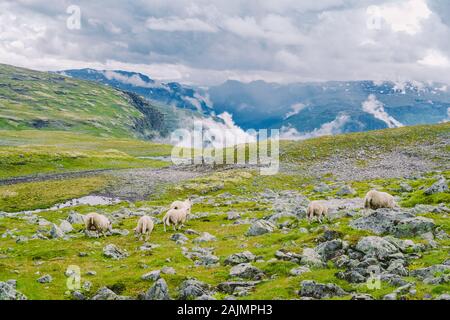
[[77, 295], [376, 246], [21, 239], [159, 291], [362, 296], [45, 279], [311, 258], [192, 288], [439, 186], [430, 272], [345, 191], [238, 258], [56, 232], [310, 288], [113, 252], [75, 218], [8, 291], [299, 271], [229, 287], [232, 215], [246, 271], [153, 275], [322, 188], [331, 249], [260, 227], [179, 237], [168, 270], [205, 237], [65, 226], [191, 232], [404, 187], [120, 232], [105, 293]]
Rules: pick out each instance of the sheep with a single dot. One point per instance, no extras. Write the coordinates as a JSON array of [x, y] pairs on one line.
[[375, 199], [317, 209], [97, 222], [144, 227], [175, 217], [182, 204]]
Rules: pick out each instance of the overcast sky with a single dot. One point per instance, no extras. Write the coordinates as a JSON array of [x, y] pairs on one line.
[[208, 42]]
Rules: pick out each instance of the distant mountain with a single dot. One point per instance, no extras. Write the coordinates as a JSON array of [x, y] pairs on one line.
[[301, 109], [333, 106], [171, 94]]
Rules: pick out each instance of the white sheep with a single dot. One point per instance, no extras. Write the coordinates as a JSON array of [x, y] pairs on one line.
[[315, 208], [375, 199], [175, 217], [182, 204], [97, 222], [144, 227]]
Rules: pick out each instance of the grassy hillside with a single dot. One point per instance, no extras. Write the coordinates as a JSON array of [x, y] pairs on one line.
[[38, 100]]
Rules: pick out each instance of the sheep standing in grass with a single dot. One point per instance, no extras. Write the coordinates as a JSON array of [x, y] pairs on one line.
[[97, 222], [375, 199], [187, 204], [175, 217], [317, 209], [144, 227]]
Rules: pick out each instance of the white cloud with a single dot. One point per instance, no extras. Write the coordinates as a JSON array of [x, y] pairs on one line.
[[178, 24], [134, 80], [295, 109], [434, 58], [329, 128], [376, 108], [401, 16]]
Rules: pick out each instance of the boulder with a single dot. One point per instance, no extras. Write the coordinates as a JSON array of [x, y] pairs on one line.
[[56, 232], [75, 218], [45, 279], [331, 249], [205, 237], [260, 227], [299, 271], [312, 289], [238, 258], [311, 258], [439, 186], [230, 287], [179, 237], [8, 291], [246, 271], [114, 252], [159, 291], [345, 191], [376, 247], [152, 275], [65, 226], [192, 289]]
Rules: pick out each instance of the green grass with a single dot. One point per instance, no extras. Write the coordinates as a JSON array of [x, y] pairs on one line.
[[38, 195]]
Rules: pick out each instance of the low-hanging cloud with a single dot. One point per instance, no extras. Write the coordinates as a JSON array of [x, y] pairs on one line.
[[329, 128], [376, 108]]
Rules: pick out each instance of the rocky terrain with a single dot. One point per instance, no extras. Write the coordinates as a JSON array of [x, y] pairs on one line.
[[247, 236]]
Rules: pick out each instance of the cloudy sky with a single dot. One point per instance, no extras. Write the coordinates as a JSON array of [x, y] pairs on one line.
[[207, 42]]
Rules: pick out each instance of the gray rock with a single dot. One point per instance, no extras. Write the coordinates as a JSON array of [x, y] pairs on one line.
[[330, 249], [45, 279], [345, 191], [299, 271], [390, 296], [168, 270], [179, 237], [238, 258], [8, 291], [229, 287], [397, 267], [22, 239], [311, 258], [404, 187], [77, 295], [362, 296], [400, 224], [159, 291], [430, 272], [321, 188], [439, 186], [312, 289], [120, 232], [153, 275], [105, 293], [246, 271], [65, 226], [114, 252], [260, 227], [56, 232], [376, 247], [351, 276], [205, 237], [75, 218], [192, 288], [232, 215], [444, 296]]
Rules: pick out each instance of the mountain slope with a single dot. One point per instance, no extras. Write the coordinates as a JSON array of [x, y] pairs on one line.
[[46, 101]]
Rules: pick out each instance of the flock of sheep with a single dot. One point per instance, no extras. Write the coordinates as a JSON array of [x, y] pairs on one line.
[[179, 210]]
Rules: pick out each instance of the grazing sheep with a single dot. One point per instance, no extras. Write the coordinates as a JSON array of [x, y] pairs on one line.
[[375, 199], [182, 204], [144, 227], [317, 209], [97, 222], [175, 217]]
